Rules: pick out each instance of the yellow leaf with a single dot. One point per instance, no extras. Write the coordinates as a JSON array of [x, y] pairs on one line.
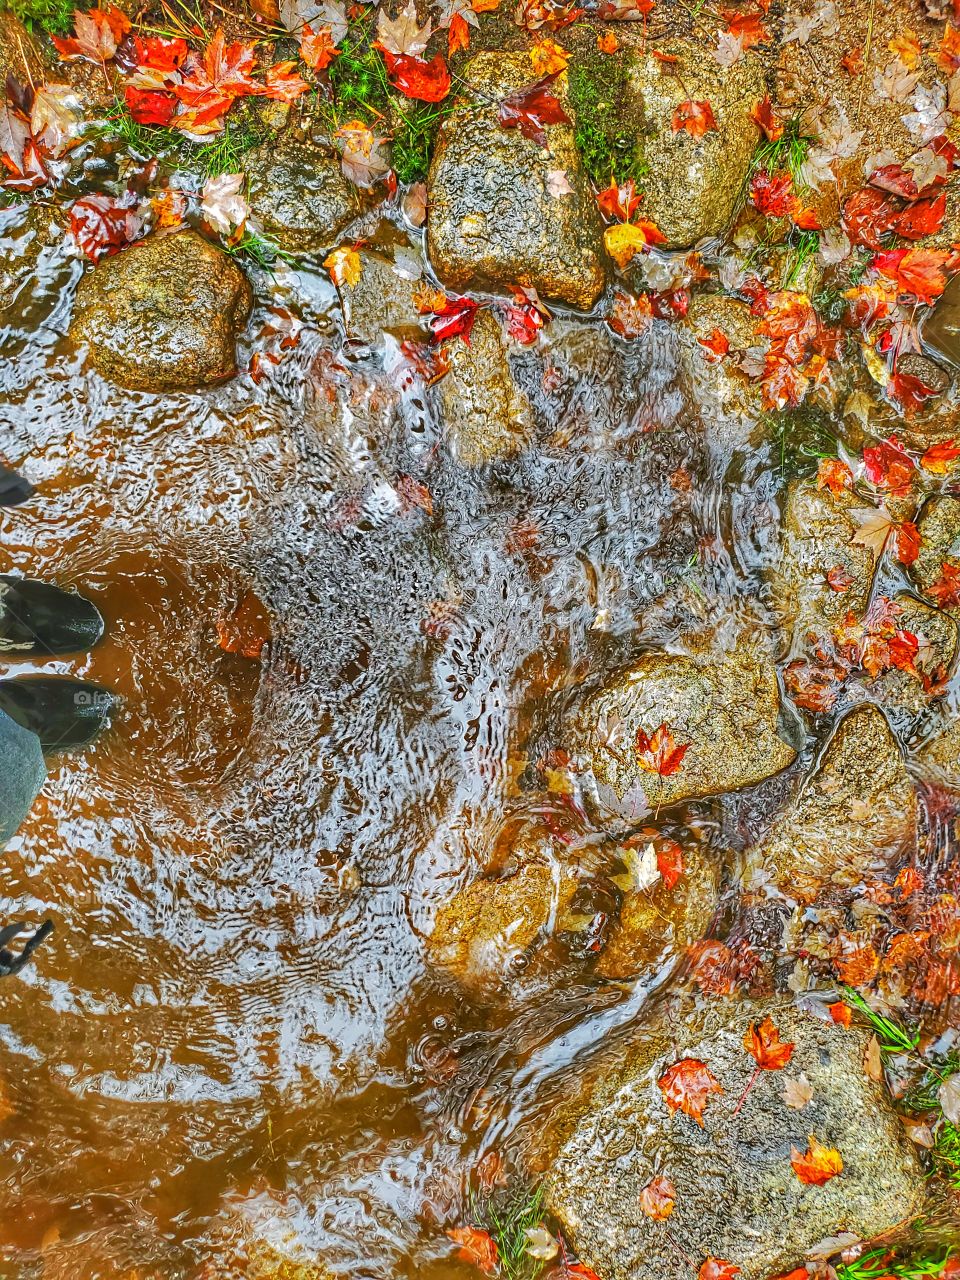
[[623, 241], [344, 266], [548, 57], [906, 47]]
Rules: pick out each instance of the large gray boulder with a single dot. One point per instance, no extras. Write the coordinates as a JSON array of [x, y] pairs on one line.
[[939, 525], [737, 1195], [163, 314], [694, 185], [492, 221], [723, 704], [485, 414], [299, 196], [850, 819], [382, 302]]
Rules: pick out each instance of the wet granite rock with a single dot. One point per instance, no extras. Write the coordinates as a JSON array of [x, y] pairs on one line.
[[850, 819], [492, 222], [693, 185], [937, 633], [939, 756], [723, 704], [299, 197], [939, 525], [738, 1197], [657, 925], [164, 314], [381, 302], [485, 936], [817, 530], [718, 386], [940, 331], [485, 414], [20, 54]]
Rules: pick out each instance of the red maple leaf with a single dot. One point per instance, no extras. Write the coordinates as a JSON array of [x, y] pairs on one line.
[[530, 109], [687, 1085], [718, 343], [317, 48], [839, 579], [767, 119], [908, 391], [417, 78], [659, 753], [103, 225], [817, 1165], [924, 218], [918, 273], [476, 1246], [834, 474], [946, 589], [746, 28], [717, 1269], [619, 204], [696, 117], [938, 457], [454, 320], [772, 194], [868, 215], [214, 80], [670, 862], [907, 542], [150, 106], [888, 467]]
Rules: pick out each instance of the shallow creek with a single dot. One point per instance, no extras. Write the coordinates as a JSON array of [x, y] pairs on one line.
[[233, 1023]]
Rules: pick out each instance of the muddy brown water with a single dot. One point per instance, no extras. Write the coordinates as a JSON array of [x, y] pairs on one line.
[[232, 1030]]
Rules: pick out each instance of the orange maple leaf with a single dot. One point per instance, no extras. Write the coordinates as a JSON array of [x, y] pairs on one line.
[[938, 457], [317, 48], [946, 589], [696, 117], [835, 475], [686, 1087], [817, 1165], [947, 56], [717, 1269], [476, 1246], [659, 753], [762, 1040], [657, 1199], [764, 115], [841, 1014]]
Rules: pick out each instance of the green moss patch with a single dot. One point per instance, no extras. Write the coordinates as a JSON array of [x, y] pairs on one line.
[[607, 144]]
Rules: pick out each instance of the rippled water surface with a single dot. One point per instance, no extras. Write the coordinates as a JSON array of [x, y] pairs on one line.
[[232, 1030]]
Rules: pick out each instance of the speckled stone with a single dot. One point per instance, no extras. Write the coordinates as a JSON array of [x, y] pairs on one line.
[[738, 1197], [693, 185], [485, 414], [163, 314], [299, 196], [849, 820], [491, 221], [723, 704]]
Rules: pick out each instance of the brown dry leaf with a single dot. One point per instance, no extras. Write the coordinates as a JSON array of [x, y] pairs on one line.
[[875, 524], [798, 1093], [872, 1062]]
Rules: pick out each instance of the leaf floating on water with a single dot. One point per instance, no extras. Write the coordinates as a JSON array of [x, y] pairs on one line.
[[540, 1244], [246, 630], [223, 204], [817, 1165], [686, 1087], [344, 266], [642, 870]]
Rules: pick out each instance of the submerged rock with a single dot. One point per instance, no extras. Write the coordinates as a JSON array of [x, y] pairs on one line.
[[163, 314], [818, 528], [492, 221], [486, 416], [940, 331], [939, 525], [851, 818], [656, 925], [299, 196], [940, 754], [936, 632], [721, 389], [693, 185], [485, 935], [381, 301], [723, 705], [737, 1196]]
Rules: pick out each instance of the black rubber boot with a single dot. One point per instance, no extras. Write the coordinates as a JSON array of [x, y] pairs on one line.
[[61, 711], [38, 620]]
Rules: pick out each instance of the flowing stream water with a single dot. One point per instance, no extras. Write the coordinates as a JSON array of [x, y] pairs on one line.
[[232, 1029]]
